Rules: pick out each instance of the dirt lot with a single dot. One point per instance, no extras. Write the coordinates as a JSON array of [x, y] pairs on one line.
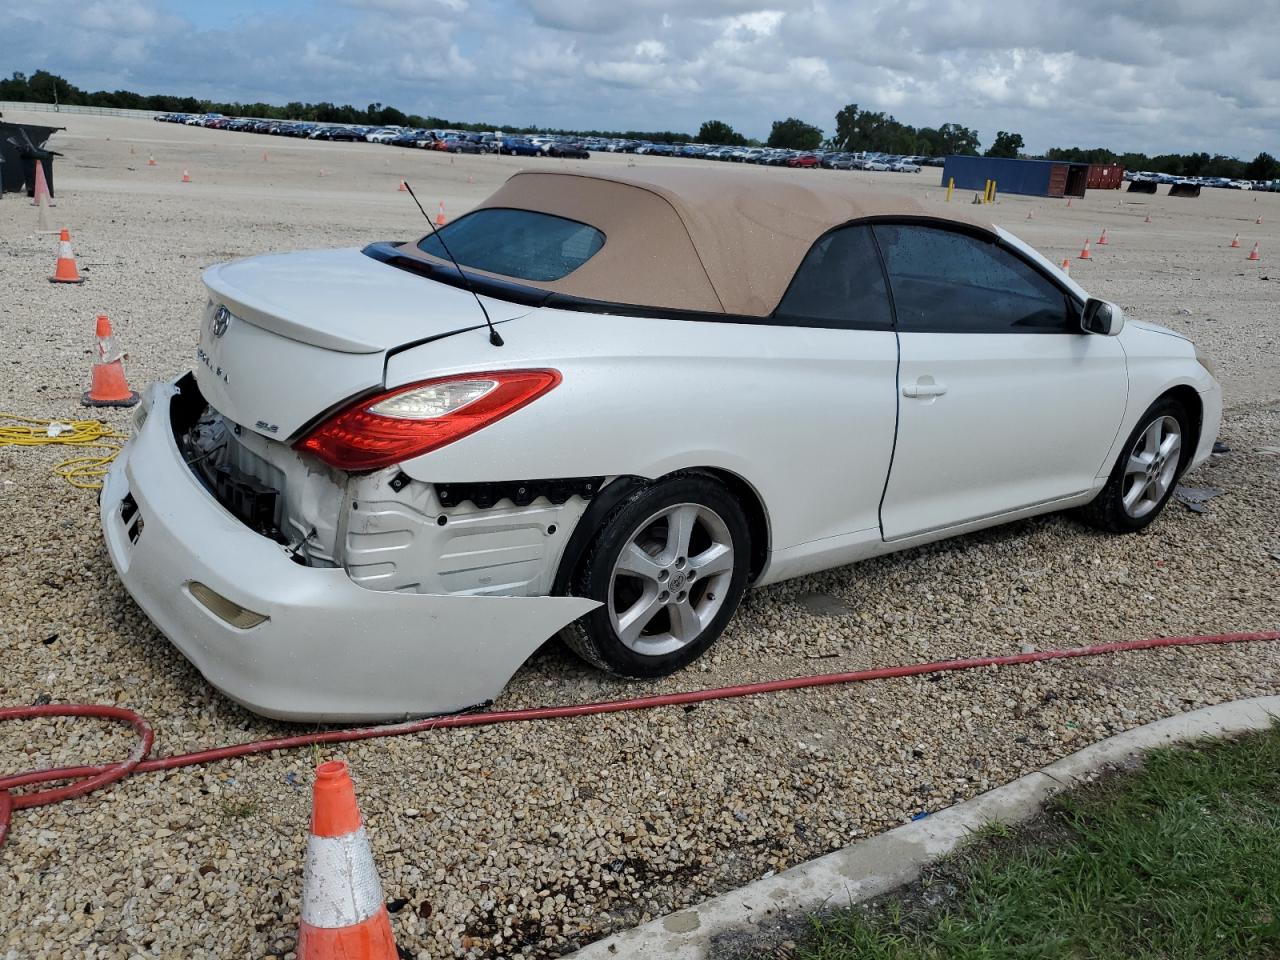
[[508, 841]]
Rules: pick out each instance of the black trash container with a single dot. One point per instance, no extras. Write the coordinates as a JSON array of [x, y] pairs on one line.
[[29, 161], [21, 147]]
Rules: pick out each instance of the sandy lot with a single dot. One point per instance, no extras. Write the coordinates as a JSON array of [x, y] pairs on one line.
[[503, 842]]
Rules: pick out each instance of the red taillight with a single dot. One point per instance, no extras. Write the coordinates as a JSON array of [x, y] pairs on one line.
[[415, 419]]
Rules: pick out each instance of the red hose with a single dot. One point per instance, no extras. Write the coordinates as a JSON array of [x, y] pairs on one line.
[[92, 778]]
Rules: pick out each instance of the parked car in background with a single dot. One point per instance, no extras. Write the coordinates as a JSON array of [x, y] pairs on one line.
[[904, 166], [803, 160], [570, 149], [519, 147], [462, 145]]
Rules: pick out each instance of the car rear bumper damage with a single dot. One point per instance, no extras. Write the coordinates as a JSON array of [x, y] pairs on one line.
[[325, 649]]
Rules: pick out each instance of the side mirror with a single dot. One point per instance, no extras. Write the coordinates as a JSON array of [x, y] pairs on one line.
[[1101, 317]]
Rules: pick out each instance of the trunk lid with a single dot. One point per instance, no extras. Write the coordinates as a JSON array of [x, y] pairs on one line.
[[303, 332]]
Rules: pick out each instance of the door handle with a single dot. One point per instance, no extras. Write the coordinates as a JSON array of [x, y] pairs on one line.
[[924, 387]]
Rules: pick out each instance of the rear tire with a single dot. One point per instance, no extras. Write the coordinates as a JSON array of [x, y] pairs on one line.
[[1146, 472], [669, 567]]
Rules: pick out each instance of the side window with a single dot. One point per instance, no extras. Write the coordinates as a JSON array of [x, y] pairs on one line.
[[839, 282], [949, 282]]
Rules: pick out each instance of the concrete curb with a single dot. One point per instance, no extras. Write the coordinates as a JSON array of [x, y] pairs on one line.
[[879, 864]]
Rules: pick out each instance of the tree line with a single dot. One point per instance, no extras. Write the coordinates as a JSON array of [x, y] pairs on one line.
[[1262, 167], [45, 87], [856, 130]]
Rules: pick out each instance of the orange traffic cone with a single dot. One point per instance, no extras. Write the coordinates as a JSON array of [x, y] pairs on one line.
[[1259, 220], [1253, 254], [1068, 201], [186, 177], [343, 914], [108, 387], [65, 270], [1085, 254], [1235, 241], [1066, 265], [1148, 220], [264, 156], [41, 190], [322, 171], [1030, 214], [151, 160], [403, 186], [440, 221], [1102, 240]]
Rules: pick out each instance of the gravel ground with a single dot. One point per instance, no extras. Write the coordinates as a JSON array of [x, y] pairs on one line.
[[530, 841]]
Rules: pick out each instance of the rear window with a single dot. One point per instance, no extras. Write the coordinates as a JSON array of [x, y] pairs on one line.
[[517, 243]]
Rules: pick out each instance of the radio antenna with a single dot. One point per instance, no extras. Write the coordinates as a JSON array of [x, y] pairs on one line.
[[494, 337]]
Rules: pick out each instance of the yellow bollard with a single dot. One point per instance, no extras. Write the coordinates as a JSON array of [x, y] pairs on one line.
[[951, 185], [993, 191]]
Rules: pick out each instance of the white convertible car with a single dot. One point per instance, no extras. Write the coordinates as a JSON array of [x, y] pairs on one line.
[[604, 405]]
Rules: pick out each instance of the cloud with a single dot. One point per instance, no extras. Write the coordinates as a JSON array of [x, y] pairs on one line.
[[1173, 75]]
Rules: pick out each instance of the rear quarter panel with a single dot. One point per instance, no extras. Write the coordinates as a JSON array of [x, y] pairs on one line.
[[805, 416]]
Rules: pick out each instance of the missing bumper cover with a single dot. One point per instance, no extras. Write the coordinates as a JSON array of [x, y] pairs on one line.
[[520, 492]]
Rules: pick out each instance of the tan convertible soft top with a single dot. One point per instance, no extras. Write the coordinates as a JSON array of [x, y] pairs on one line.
[[690, 238]]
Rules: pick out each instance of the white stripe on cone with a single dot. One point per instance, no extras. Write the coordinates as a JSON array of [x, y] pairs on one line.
[[340, 885]]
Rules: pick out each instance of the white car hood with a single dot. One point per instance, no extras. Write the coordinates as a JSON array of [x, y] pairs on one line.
[[1154, 328]]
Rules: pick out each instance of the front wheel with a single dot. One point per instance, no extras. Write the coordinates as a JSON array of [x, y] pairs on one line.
[[669, 567], [1146, 473]]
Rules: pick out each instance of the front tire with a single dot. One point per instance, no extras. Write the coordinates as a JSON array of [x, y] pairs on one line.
[[1146, 472], [669, 567]]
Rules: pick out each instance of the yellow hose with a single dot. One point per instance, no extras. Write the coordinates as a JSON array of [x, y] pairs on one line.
[[85, 472]]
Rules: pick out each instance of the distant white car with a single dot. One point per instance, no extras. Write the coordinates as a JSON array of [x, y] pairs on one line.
[[876, 165], [389, 479], [905, 166]]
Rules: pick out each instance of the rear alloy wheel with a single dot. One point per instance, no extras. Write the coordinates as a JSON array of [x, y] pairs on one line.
[[669, 567], [1144, 477]]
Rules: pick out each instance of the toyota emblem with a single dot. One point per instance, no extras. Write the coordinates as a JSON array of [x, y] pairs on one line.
[[221, 320]]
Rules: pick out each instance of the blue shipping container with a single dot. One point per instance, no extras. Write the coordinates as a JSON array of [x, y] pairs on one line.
[[1036, 178]]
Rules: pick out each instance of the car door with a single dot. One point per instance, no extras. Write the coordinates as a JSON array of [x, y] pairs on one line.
[[1003, 402], [837, 305]]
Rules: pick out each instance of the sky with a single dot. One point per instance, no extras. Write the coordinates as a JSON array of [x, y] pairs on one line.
[[1151, 75]]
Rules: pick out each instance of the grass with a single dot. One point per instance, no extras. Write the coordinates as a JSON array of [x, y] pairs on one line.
[[1179, 860]]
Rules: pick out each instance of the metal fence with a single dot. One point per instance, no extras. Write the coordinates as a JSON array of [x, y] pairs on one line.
[[73, 108]]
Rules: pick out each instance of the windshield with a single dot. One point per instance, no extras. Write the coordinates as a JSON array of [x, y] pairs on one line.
[[517, 243]]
